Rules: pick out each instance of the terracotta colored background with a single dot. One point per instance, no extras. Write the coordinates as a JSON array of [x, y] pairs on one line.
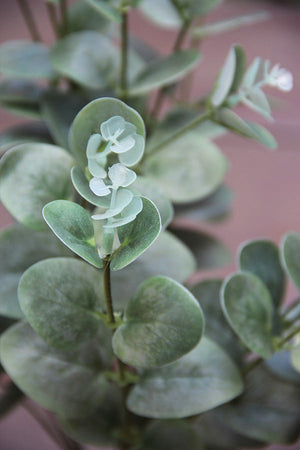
[[266, 183]]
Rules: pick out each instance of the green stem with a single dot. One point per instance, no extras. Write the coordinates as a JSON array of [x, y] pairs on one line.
[[52, 17], [183, 130], [290, 335], [256, 362], [29, 20], [124, 56], [64, 17], [107, 291], [162, 92]]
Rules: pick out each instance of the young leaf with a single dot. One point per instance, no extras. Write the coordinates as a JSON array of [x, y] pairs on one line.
[[247, 306], [187, 169], [73, 225], [77, 57], [21, 247], [71, 384], [60, 298], [15, 55], [261, 257], [167, 256], [164, 71], [81, 185], [32, 175], [89, 119], [201, 380], [290, 251], [163, 321], [137, 236]]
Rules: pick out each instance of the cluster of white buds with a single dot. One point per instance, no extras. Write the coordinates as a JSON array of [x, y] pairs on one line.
[[259, 75], [119, 137]]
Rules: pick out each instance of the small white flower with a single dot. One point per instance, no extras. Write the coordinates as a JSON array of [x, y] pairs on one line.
[[280, 78]]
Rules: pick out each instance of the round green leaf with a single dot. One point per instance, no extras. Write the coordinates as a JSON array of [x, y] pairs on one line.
[[268, 410], [71, 384], [137, 236], [247, 305], [261, 257], [207, 292], [148, 189], [201, 380], [16, 55], [32, 175], [89, 58], [208, 251], [163, 322], [291, 256], [60, 298], [21, 247], [167, 256], [164, 71], [73, 225], [89, 119], [187, 169]]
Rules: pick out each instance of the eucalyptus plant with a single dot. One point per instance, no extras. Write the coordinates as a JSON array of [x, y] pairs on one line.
[[100, 322]]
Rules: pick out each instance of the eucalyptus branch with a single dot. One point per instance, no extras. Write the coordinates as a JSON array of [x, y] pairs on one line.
[[29, 20], [183, 130], [107, 291], [252, 365], [162, 92], [187, 82], [288, 337], [124, 54]]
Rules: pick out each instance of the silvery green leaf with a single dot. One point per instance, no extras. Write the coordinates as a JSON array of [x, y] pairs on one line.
[[256, 99], [133, 156], [98, 187], [225, 79], [113, 128], [251, 74], [123, 198], [93, 145], [121, 175], [230, 24]]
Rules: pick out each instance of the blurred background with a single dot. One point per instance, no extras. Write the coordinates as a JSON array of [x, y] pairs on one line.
[[266, 183]]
